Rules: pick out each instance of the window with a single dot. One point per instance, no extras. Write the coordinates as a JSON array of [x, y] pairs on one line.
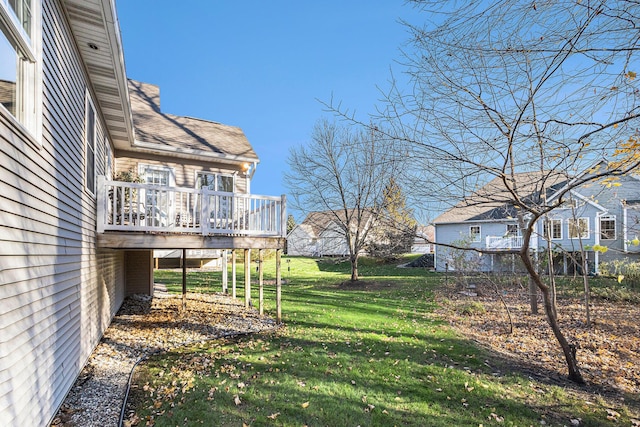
[[108, 159], [22, 10], [214, 181], [19, 82], [512, 230], [578, 228], [158, 202], [552, 229], [90, 148], [157, 176], [608, 227], [474, 233]]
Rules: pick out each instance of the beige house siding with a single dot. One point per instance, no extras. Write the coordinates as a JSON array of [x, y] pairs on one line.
[[58, 293], [184, 172]]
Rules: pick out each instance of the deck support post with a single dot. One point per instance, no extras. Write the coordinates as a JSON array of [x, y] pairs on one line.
[[233, 273], [278, 286], [225, 277], [261, 281], [184, 279], [247, 278]]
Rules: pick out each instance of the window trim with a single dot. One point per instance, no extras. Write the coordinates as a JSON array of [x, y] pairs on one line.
[[608, 218], [108, 159], [548, 223], [28, 47], [578, 220], [510, 233], [9, 20], [475, 237], [90, 107], [143, 167], [217, 175]]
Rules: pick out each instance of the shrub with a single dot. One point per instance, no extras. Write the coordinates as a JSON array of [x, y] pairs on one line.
[[473, 308]]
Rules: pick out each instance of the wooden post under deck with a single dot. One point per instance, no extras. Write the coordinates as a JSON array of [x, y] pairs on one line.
[[278, 286], [247, 278], [233, 273], [225, 278], [260, 281], [184, 279]]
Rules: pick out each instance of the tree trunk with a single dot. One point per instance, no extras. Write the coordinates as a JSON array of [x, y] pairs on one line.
[[568, 349], [552, 318], [354, 268], [533, 296]]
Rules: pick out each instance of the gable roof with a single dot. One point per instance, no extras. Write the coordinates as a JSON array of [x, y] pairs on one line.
[[494, 201], [184, 136], [316, 222]]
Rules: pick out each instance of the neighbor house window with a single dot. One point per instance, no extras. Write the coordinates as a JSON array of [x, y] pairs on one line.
[[90, 148], [608, 227], [512, 230], [214, 181], [552, 229], [474, 233], [19, 81], [578, 228]]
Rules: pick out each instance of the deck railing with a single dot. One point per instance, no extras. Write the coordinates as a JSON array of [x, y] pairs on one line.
[[504, 242], [127, 206]]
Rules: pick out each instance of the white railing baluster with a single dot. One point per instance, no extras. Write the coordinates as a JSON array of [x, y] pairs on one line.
[[128, 206]]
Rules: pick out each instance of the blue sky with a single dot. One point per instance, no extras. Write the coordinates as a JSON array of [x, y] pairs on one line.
[[263, 65]]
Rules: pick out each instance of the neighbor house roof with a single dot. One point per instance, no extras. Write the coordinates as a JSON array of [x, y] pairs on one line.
[[316, 222], [184, 136], [494, 200]]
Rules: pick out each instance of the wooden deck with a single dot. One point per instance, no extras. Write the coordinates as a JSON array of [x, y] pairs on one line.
[[137, 216]]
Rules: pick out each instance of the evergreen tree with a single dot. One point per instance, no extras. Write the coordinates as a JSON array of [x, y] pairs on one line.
[[395, 228]]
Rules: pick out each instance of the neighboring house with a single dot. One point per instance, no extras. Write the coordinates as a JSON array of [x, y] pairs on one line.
[[594, 214], [423, 242], [74, 243], [321, 234]]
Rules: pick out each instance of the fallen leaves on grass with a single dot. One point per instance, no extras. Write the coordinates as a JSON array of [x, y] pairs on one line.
[[608, 352]]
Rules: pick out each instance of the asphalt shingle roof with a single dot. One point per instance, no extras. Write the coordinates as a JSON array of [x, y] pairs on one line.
[[494, 200], [169, 131]]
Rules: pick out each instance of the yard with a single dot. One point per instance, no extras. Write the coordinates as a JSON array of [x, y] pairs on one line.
[[402, 348]]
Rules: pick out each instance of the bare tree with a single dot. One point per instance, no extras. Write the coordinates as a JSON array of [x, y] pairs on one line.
[[342, 173], [504, 87]]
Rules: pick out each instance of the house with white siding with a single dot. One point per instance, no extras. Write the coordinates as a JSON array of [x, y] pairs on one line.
[[74, 241], [603, 215], [322, 234]]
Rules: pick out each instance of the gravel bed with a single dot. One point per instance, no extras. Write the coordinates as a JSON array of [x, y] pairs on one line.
[[144, 326]]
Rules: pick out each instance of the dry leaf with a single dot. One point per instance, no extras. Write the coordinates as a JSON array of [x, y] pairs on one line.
[[305, 404], [273, 416], [236, 400]]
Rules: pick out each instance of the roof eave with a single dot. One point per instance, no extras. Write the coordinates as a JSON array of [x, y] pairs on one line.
[[101, 45], [113, 29], [189, 153]]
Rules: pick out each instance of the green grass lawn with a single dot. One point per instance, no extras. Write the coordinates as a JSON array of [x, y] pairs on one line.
[[346, 356]]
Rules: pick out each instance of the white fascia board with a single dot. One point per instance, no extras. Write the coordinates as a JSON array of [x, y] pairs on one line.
[[155, 148], [589, 201], [117, 54], [479, 221]]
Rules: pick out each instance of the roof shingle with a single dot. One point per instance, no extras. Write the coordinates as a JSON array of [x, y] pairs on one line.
[[172, 132]]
